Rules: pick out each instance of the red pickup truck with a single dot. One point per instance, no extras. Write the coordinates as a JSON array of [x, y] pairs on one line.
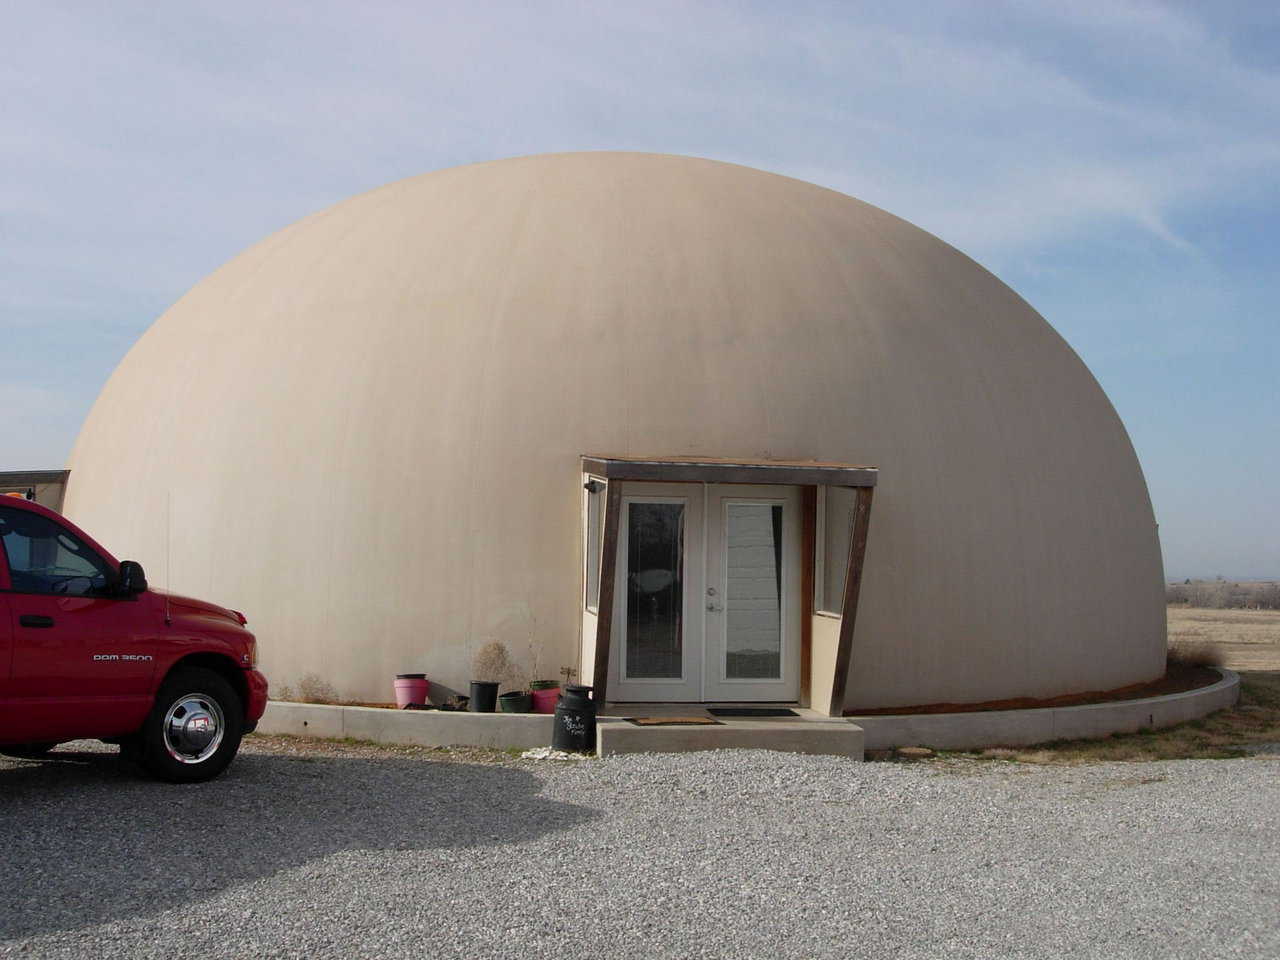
[[88, 651]]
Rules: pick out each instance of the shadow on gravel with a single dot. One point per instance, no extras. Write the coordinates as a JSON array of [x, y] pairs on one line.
[[84, 840]]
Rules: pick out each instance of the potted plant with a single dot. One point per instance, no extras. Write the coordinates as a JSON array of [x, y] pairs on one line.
[[490, 667], [545, 693]]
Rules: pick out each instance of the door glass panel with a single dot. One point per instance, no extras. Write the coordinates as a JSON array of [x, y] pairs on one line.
[[753, 591], [655, 590]]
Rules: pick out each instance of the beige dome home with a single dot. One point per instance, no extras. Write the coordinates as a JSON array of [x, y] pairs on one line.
[[625, 414]]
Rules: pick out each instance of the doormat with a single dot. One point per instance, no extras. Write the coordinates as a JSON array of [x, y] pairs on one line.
[[673, 721], [752, 712]]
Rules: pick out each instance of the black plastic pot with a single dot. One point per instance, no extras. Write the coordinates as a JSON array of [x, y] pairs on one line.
[[484, 696]]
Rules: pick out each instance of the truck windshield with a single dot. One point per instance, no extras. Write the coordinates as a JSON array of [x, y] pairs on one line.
[[46, 558]]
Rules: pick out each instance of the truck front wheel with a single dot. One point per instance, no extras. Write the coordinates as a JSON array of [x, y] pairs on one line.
[[194, 729]]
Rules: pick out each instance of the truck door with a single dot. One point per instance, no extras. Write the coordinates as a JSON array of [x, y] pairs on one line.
[[82, 659]]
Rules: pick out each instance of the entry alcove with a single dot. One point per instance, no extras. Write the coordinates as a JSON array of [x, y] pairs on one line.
[[716, 580]]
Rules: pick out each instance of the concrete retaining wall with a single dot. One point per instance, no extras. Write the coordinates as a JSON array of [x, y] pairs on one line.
[[426, 728], [1018, 728]]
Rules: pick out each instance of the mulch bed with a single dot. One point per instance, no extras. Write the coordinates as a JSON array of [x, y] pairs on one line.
[[1178, 679]]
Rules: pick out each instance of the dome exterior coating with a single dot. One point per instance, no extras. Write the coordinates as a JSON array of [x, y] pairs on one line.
[[364, 431]]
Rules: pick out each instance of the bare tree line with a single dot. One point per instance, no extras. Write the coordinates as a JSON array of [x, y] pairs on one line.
[[1223, 594]]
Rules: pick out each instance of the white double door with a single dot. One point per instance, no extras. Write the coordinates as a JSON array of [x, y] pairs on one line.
[[707, 595]]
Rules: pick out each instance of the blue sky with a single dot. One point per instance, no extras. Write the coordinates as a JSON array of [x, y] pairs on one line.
[[1116, 163]]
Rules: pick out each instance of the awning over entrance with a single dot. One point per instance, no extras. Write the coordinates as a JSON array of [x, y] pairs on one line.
[[712, 470], [820, 641], [47, 486]]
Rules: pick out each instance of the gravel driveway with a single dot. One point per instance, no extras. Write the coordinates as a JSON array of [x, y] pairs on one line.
[[318, 850]]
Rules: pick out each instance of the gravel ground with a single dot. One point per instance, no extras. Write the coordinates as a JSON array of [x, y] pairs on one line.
[[327, 850]]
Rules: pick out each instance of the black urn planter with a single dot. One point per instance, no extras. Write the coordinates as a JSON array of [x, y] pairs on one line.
[[575, 723]]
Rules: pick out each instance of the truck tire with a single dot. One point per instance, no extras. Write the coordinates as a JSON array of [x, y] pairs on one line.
[[27, 751], [194, 728]]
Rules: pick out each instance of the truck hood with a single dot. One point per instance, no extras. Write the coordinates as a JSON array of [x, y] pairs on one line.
[[190, 605]]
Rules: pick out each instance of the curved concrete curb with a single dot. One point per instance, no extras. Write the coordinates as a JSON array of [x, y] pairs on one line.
[[946, 731], [1020, 728]]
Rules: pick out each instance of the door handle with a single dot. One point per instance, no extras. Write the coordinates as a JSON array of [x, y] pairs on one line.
[[35, 620]]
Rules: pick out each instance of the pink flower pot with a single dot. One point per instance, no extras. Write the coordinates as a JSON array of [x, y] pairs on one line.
[[544, 701], [411, 688]]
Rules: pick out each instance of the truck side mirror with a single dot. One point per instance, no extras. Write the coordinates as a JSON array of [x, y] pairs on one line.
[[132, 580]]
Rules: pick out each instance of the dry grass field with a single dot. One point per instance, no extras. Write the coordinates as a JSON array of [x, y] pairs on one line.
[[1247, 641]]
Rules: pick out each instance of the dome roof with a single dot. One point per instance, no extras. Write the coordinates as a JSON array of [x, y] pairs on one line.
[[365, 429]]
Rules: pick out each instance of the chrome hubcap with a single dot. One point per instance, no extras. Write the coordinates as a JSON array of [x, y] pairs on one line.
[[193, 728]]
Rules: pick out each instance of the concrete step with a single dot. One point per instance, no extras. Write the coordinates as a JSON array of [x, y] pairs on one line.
[[834, 737]]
